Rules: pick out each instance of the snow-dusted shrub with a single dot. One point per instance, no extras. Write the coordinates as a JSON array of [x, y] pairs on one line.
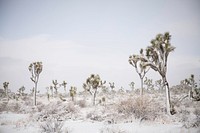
[[13, 106], [3, 106], [191, 119], [52, 125], [197, 119], [71, 108], [82, 103], [94, 116], [40, 106], [140, 107], [111, 130]]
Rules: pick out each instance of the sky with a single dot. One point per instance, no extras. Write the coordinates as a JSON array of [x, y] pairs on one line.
[[76, 38]]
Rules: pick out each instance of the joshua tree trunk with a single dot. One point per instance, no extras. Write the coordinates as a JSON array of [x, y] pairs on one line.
[[7, 93], [65, 91], [168, 101], [72, 98], [35, 91], [141, 89], [94, 96]]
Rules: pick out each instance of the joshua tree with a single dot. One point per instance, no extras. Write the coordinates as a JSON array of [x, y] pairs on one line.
[[64, 84], [32, 91], [48, 93], [137, 63], [193, 92], [102, 85], [72, 92], [5, 86], [21, 90], [112, 85], [156, 57], [51, 88], [55, 86], [132, 85], [149, 83], [35, 68], [92, 84], [159, 84]]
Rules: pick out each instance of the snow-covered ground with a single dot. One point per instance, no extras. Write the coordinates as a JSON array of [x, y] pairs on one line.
[[80, 126], [120, 113]]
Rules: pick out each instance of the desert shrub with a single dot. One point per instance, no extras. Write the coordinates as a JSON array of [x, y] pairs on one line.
[[139, 107], [3, 106], [13, 106], [40, 106], [191, 119], [111, 130], [197, 119], [94, 116], [71, 108], [82, 103], [59, 111], [51, 125]]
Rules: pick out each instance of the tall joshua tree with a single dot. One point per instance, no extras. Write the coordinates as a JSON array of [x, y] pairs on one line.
[[92, 84], [157, 57], [5, 86], [35, 68], [137, 63]]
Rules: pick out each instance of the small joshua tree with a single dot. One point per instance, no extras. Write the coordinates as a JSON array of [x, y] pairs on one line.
[[112, 85], [149, 83], [137, 63], [21, 90], [51, 88], [48, 93], [193, 93], [5, 86], [64, 84], [92, 84], [72, 92], [55, 86], [102, 85], [35, 68], [159, 84], [132, 85], [32, 91]]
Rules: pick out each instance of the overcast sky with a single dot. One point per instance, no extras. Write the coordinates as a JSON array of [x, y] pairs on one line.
[[75, 38]]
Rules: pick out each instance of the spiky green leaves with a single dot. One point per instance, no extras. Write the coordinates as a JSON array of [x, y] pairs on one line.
[[64, 84], [35, 68], [94, 81], [5, 85], [73, 91]]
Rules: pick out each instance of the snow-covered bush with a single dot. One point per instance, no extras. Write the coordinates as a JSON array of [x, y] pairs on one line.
[[51, 125], [82, 103], [111, 130], [71, 108], [13, 106], [2, 106], [140, 107], [191, 119]]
